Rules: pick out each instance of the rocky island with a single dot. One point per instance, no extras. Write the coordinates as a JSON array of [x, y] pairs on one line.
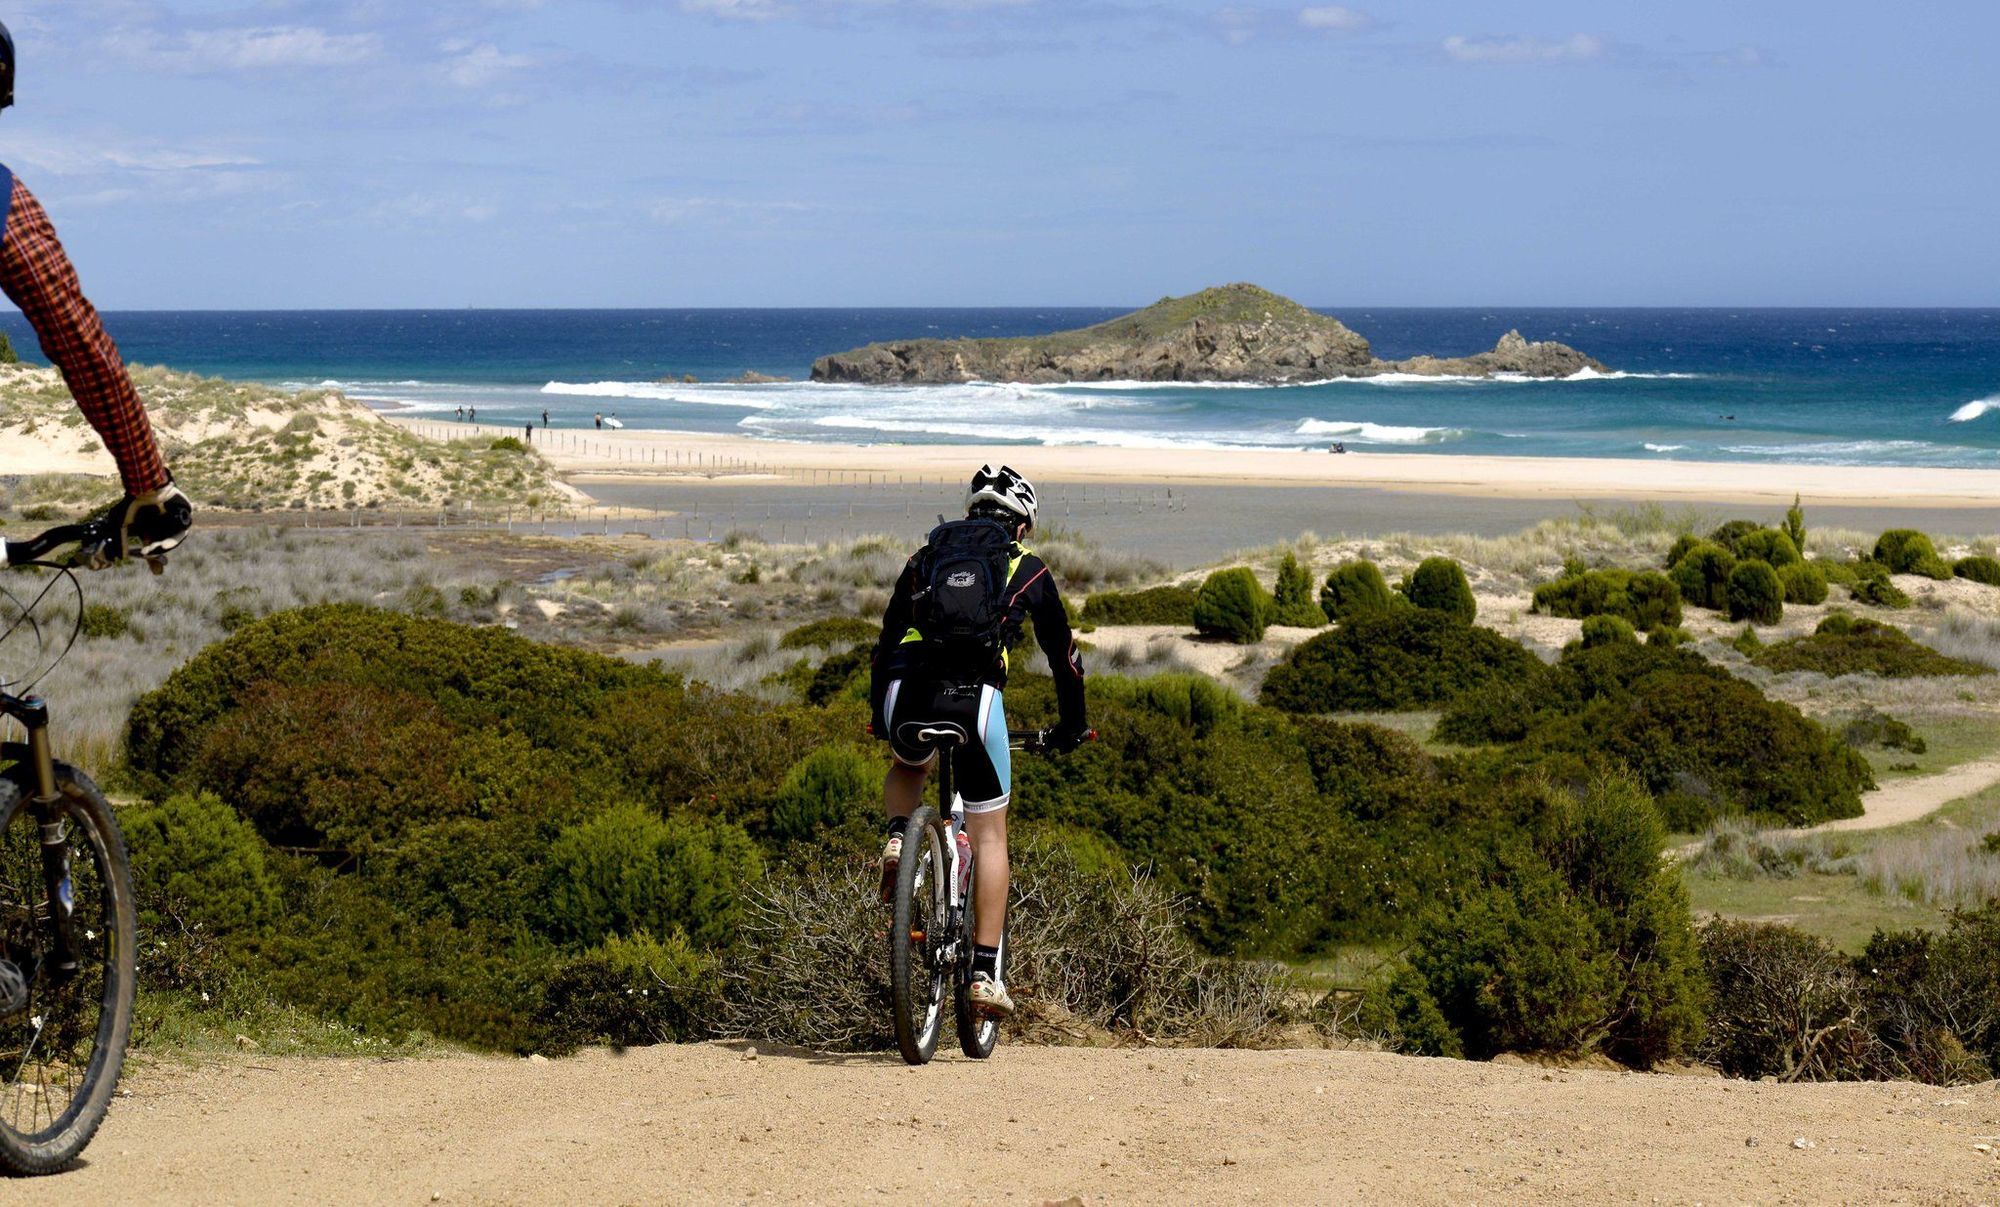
[[1230, 333]]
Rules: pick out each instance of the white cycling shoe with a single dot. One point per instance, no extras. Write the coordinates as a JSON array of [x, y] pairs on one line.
[[892, 861], [989, 996]]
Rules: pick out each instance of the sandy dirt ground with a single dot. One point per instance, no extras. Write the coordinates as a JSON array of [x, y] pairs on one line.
[[702, 1123]]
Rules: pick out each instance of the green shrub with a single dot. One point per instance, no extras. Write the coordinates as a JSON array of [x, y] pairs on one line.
[[833, 633], [631, 990], [843, 675], [1679, 549], [1668, 635], [1755, 594], [1353, 588], [196, 861], [626, 871], [1582, 944], [1647, 599], [102, 621], [1804, 582], [1872, 728], [1979, 569], [1879, 592], [1747, 643], [1403, 659], [831, 786], [1702, 574], [1438, 585], [508, 444], [1844, 645], [1783, 1004], [1233, 604], [1292, 600], [1770, 546], [1795, 525], [1935, 568], [1901, 549], [1731, 533], [1172, 605], [1195, 702], [1841, 574], [1604, 630]]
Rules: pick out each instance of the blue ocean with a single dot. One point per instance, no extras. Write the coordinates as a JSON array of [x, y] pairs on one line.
[[1842, 387]]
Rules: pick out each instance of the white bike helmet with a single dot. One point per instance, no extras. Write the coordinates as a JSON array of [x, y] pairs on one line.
[[1003, 489]]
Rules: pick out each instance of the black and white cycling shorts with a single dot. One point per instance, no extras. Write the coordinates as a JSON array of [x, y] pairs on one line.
[[981, 765]]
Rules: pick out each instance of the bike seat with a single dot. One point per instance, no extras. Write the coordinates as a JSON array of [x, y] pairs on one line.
[[932, 733]]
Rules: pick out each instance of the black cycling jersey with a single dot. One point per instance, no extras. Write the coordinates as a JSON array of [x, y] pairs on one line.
[[1032, 594]]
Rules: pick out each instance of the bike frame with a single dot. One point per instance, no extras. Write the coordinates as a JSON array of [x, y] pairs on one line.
[[33, 714]]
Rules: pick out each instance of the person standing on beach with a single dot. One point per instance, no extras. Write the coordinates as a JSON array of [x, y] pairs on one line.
[[545, 417], [472, 414], [36, 275], [598, 419], [531, 431], [461, 414]]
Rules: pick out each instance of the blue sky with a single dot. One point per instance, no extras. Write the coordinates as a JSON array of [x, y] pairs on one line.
[[332, 153]]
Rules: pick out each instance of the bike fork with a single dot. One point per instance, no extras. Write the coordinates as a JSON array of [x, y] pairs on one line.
[[47, 806]]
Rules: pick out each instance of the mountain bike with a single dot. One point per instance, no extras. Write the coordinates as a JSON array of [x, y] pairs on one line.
[[930, 932], [67, 920]]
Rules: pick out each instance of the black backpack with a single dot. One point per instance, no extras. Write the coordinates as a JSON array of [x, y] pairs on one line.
[[960, 602]]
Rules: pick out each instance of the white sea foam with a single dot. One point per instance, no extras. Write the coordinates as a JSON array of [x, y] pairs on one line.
[[1589, 374], [1664, 448], [1973, 410], [653, 391], [1110, 437], [1362, 432]]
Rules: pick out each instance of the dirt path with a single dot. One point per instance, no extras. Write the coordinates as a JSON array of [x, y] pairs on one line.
[[1893, 803], [702, 1123]]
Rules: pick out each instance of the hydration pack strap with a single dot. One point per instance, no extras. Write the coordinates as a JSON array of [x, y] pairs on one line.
[[6, 201]]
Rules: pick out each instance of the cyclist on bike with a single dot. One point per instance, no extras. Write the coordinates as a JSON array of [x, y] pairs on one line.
[[36, 275], [960, 603]]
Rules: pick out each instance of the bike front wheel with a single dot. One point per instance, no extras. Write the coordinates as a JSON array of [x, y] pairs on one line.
[[917, 936], [61, 1050]]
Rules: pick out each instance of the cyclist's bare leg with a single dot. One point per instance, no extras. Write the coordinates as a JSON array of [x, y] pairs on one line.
[[988, 832], [903, 789]]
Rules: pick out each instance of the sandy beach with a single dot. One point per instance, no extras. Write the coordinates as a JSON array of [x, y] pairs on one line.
[[661, 453]]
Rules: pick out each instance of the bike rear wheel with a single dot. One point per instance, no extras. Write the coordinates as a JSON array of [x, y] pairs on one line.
[[917, 934], [978, 1032], [60, 1055]]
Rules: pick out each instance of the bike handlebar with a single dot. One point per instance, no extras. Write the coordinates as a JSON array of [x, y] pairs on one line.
[[1036, 741], [96, 541]]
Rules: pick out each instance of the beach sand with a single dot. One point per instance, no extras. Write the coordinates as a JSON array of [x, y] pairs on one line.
[[683, 453], [1188, 508]]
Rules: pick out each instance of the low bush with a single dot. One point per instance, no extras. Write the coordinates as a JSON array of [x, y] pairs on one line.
[[1784, 1004], [1171, 605], [1979, 569], [1901, 549], [1645, 599], [1353, 588], [196, 862], [833, 633], [1844, 645], [1292, 600], [1394, 660], [1581, 943], [1878, 591], [1702, 575], [1755, 594], [626, 871], [1438, 585], [508, 444], [1233, 605], [1731, 533], [832, 787], [102, 621], [1770, 546], [630, 990], [1872, 728], [1605, 630], [1804, 582]]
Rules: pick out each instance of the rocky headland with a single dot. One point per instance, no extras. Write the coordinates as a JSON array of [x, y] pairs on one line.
[[1230, 333]]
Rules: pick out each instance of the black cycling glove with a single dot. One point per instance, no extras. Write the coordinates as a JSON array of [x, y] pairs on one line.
[[1065, 738], [149, 524]]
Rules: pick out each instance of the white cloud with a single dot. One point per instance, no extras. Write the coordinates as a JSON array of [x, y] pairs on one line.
[[280, 46], [72, 156], [477, 66], [672, 211], [244, 49], [735, 10], [1335, 18], [1516, 50]]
